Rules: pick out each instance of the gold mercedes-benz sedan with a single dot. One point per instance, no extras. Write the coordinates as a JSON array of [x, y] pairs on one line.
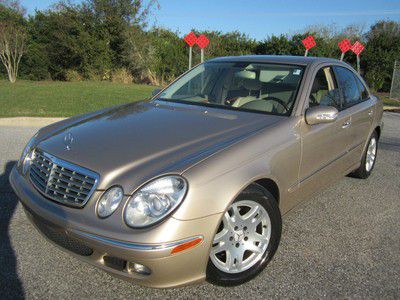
[[191, 185]]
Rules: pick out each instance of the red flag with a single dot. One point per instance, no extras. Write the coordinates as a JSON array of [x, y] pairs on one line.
[[344, 45], [309, 42], [190, 39], [202, 41], [357, 48]]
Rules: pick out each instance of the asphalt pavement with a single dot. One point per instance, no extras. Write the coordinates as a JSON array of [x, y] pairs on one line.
[[342, 243]]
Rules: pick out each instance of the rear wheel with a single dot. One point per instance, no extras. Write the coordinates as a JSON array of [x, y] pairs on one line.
[[246, 239], [369, 158]]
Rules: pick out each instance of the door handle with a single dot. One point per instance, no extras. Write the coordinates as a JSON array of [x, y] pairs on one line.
[[346, 124]]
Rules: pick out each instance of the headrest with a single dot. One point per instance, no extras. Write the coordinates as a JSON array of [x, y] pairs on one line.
[[251, 84]]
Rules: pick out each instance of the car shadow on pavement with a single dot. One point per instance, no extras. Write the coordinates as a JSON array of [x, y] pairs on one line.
[[10, 284]]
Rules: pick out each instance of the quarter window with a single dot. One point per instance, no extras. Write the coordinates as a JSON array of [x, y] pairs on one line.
[[348, 84], [324, 90]]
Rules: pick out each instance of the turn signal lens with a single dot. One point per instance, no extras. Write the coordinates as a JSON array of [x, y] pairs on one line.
[[185, 246], [26, 157]]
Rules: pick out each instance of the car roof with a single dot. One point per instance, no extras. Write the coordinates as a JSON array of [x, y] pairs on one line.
[[283, 59]]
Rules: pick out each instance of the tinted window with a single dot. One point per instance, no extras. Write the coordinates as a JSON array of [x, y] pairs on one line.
[[349, 86], [363, 89], [324, 90]]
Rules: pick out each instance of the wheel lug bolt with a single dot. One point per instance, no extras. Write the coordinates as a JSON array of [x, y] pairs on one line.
[[246, 238], [231, 238], [237, 245], [236, 228], [244, 228]]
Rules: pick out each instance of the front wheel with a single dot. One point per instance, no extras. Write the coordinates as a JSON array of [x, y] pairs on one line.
[[369, 158], [247, 238]]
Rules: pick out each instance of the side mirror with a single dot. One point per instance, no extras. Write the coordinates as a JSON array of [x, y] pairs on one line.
[[155, 92], [321, 114]]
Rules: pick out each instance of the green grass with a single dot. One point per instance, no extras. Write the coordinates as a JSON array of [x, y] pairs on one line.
[[64, 99], [387, 101]]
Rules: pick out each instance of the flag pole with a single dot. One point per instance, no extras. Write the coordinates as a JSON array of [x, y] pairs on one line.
[[190, 57]]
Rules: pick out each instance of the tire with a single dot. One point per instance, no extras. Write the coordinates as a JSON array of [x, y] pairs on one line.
[[254, 201], [367, 165]]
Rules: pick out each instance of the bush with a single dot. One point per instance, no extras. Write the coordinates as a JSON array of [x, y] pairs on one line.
[[375, 79], [121, 76], [72, 75]]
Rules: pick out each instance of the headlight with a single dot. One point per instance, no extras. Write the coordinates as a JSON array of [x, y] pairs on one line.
[[155, 201], [26, 157], [109, 201]]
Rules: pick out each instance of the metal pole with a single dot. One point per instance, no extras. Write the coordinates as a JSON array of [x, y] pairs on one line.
[[391, 87], [190, 57], [358, 64], [305, 54], [342, 56], [202, 74]]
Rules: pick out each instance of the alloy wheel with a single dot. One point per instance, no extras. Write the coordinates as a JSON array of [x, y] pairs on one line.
[[371, 154], [242, 237]]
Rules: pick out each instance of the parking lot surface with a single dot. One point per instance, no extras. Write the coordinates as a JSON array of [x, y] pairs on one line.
[[342, 243]]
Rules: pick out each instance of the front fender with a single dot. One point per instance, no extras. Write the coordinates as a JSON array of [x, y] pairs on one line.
[[214, 184]]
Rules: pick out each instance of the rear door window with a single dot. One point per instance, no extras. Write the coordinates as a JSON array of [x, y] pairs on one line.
[[349, 87], [363, 89]]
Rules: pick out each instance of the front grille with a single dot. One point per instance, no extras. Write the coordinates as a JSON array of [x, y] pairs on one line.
[[61, 181]]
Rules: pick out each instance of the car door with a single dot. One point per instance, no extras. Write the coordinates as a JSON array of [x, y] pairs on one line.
[[324, 146], [358, 105]]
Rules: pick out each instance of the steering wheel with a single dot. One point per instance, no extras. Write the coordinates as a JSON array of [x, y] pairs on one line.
[[277, 100]]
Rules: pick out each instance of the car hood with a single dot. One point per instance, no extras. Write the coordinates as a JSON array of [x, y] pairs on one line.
[[130, 144]]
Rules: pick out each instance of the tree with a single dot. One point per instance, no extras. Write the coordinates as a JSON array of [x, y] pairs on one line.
[[227, 44], [12, 36], [275, 45], [72, 41], [381, 51], [118, 18], [14, 5], [12, 47], [170, 55], [140, 57]]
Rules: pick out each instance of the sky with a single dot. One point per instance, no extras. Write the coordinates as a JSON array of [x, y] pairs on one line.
[[259, 19]]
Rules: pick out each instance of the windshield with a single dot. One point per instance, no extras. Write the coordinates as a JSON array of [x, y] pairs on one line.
[[257, 87]]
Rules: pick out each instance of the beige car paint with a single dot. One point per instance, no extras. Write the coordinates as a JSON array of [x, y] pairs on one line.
[[285, 154]]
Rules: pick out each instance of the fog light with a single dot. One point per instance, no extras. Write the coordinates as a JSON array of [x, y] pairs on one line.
[[138, 268]]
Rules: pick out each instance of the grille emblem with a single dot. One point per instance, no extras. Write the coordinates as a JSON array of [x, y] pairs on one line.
[[68, 140]]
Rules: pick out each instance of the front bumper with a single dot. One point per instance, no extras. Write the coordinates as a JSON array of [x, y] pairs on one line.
[[67, 228]]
